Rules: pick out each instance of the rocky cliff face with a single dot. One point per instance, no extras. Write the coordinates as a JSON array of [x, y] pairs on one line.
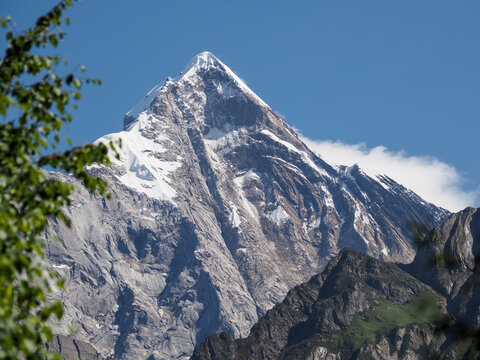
[[362, 308], [217, 210], [359, 307], [449, 260], [72, 349]]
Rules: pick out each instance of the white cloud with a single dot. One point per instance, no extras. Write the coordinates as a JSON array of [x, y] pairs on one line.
[[432, 179]]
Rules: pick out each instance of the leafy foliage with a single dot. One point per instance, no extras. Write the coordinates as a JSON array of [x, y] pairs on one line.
[[386, 316], [31, 119]]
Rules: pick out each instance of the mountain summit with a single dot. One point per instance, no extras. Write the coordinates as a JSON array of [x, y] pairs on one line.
[[217, 210], [204, 69], [205, 60]]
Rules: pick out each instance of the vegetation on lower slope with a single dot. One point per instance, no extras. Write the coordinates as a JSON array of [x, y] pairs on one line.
[[355, 302], [385, 316], [367, 327]]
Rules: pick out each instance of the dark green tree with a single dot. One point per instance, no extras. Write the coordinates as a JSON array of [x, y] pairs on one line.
[[35, 103]]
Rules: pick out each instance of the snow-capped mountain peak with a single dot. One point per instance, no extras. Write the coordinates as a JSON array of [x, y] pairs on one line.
[[218, 210], [142, 105], [204, 60], [202, 67]]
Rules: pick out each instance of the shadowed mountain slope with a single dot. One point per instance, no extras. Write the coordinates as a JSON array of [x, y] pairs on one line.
[[217, 210], [359, 307]]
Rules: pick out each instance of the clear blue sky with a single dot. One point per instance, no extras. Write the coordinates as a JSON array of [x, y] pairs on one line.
[[403, 74]]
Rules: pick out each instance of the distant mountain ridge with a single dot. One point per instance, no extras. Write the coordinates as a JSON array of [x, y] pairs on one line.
[[449, 261], [218, 209], [362, 308], [359, 307]]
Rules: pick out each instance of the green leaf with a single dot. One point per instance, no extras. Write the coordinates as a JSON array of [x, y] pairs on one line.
[[53, 40], [77, 83], [29, 198]]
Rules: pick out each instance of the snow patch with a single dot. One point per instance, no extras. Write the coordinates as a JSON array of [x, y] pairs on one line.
[[247, 205], [205, 61], [217, 139], [279, 215], [292, 167], [381, 180], [215, 133], [235, 219], [144, 172], [359, 215], [327, 197], [305, 157], [146, 102], [360, 222], [288, 145], [61, 266], [348, 173], [328, 201], [314, 166], [307, 227]]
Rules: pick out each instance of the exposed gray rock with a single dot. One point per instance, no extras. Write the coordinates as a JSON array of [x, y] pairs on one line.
[[449, 261], [341, 313], [72, 349], [322, 353], [217, 210], [412, 343], [317, 319]]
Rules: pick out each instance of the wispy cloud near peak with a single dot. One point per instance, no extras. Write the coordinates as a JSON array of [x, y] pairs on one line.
[[432, 179]]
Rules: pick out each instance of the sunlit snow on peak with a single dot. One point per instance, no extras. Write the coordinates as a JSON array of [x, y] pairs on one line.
[[142, 170], [207, 60], [145, 103], [202, 62]]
